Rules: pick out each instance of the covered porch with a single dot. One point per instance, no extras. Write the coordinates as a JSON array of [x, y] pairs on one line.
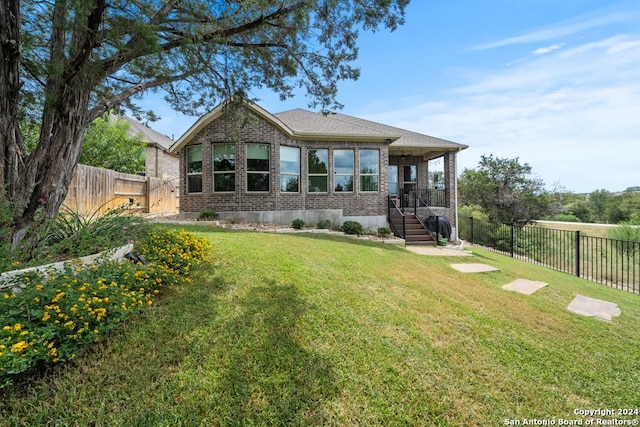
[[422, 184]]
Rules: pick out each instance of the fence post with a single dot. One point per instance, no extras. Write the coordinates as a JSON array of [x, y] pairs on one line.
[[512, 239], [578, 253], [471, 237]]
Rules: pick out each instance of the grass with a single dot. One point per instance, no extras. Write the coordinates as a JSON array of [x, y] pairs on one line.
[[593, 230], [312, 329]]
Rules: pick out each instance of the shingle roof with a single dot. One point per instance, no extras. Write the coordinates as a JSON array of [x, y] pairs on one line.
[[306, 122], [148, 135], [307, 125]]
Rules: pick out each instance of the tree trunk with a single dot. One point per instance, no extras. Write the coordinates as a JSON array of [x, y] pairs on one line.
[[12, 149], [49, 169]]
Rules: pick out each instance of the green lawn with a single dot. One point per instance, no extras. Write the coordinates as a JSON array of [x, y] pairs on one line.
[[316, 330]]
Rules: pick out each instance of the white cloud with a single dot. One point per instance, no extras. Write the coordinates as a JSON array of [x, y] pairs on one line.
[[548, 49], [562, 29], [572, 114]]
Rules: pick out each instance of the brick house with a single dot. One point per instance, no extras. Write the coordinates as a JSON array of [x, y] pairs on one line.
[[249, 164], [159, 161]]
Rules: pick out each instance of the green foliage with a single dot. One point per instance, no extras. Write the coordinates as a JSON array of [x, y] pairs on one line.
[[565, 218], [71, 234], [58, 315], [352, 227], [297, 224], [108, 144], [208, 215], [472, 211], [384, 231], [175, 249], [324, 224], [506, 190], [628, 231]]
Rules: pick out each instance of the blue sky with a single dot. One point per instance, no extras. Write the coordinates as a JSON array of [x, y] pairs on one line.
[[555, 83]]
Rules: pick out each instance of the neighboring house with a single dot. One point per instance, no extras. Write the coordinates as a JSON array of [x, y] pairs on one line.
[[249, 164], [159, 161]]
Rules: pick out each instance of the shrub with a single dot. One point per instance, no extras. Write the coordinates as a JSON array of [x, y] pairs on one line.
[[324, 224], [384, 231], [298, 224], [71, 234], [209, 215], [352, 227], [54, 318], [565, 218]]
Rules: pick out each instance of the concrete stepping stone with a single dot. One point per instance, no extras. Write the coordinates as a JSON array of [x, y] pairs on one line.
[[524, 286], [592, 307], [474, 268]]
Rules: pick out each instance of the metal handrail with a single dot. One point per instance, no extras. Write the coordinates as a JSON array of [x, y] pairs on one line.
[[430, 212], [399, 211]]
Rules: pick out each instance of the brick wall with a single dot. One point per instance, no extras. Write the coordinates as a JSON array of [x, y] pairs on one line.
[[257, 130]]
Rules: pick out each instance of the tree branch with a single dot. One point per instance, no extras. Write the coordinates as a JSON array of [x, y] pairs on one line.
[[109, 65], [103, 107]]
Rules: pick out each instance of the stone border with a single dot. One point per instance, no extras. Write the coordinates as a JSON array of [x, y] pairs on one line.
[[7, 276]]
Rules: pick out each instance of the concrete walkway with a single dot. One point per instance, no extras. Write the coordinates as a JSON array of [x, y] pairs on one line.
[[437, 251], [524, 286], [592, 307]]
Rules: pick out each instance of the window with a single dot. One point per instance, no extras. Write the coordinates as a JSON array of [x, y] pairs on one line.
[[369, 170], [224, 167], [257, 167], [194, 169], [343, 164], [289, 169], [393, 179], [318, 161]]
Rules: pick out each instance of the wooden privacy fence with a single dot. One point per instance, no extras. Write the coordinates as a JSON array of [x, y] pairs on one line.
[[96, 189]]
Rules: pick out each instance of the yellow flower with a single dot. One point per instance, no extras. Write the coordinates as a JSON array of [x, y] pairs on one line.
[[6, 296], [19, 346], [23, 333], [7, 328], [46, 316], [17, 327]]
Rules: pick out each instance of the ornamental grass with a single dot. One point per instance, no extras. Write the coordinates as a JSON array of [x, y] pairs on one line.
[[58, 314]]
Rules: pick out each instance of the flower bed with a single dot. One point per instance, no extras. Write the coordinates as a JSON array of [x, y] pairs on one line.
[[58, 313]]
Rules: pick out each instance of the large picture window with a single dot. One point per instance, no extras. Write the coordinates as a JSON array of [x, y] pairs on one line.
[[369, 170], [289, 169], [343, 173], [318, 162], [224, 167], [194, 169], [258, 167]]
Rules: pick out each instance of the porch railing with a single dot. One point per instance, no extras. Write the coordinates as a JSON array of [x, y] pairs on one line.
[[397, 209], [396, 217]]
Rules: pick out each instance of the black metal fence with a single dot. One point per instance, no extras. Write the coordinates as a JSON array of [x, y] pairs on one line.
[[615, 263]]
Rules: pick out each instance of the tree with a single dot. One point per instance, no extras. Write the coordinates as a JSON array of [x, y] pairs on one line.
[[597, 202], [65, 63], [108, 144], [506, 190]]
